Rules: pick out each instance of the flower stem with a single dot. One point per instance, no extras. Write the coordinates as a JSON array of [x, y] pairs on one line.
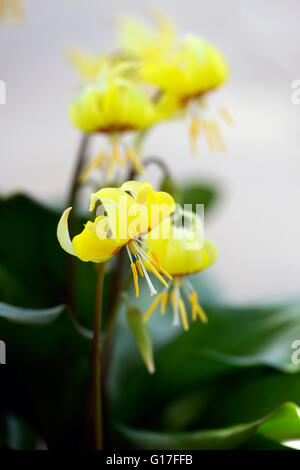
[[153, 160], [80, 159], [72, 202], [96, 361]]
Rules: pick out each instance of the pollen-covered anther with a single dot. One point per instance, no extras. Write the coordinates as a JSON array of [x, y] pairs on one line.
[[197, 310], [159, 267], [194, 131], [152, 307], [138, 264], [183, 314], [156, 273], [226, 116], [96, 162], [164, 302], [135, 278], [116, 155]]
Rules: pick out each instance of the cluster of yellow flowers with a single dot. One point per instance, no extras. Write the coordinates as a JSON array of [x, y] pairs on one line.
[[155, 76], [153, 244]]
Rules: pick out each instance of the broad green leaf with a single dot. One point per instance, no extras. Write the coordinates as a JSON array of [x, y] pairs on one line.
[[199, 193], [31, 316], [33, 266], [142, 335], [245, 397], [234, 339], [214, 439], [47, 373]]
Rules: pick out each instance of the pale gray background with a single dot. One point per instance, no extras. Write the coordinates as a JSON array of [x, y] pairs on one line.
[[256, 226]]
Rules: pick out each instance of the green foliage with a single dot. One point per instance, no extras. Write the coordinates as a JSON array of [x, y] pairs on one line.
[[142, 335], [281, 423], [227, 384]]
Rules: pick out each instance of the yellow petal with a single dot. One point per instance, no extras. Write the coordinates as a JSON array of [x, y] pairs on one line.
[[88, 246], [63, 232], [176, 255]]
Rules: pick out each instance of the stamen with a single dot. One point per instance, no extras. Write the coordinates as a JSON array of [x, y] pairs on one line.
[[165, 273], [159, 266], [150, 264], [152, 290], [96, 162], [152, 307], [156, 258], [225, 114], [156, 273], [193, 300], [194, 133], [196, 308], [174, 302], [110, 166], [132, 156], [138, 264], [209, 135], [219, 139], [135, 278], [117, 155], [201, 314], [164, 302], [183, 314]]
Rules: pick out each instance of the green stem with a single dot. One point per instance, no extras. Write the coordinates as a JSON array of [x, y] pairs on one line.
[[153, 160], [72, 202], [96, 366], [80, 159]]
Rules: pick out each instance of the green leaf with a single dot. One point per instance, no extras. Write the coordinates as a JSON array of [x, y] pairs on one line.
[[196, 193], [215, 439], [18, 434], [31, 316], [47, 373], [33, 266], [246, 398], [234, 339], [142, 335]]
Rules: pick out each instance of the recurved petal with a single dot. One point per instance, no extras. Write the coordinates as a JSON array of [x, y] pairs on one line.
[[63, 232], [91, 245], [132, 187]]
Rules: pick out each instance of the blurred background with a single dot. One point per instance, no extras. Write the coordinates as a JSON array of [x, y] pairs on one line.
[[256, 222]]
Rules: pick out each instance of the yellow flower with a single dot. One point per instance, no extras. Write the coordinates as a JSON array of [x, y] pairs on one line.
[[114, 105], [86, 64], [143, 42], [185, 68], [130, 211], [182, 251]]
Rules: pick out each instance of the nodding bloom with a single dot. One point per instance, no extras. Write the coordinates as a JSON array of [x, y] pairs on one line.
[[113, 105], [186, 68], [185, 252], [129, 212], [13, 9]]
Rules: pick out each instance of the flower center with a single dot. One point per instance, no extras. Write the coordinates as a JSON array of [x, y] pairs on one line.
[[140, 261]]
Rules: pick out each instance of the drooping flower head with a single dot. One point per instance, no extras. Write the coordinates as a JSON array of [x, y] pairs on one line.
[[128, 213], [186, 68], [182, 251], [113, 105]]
